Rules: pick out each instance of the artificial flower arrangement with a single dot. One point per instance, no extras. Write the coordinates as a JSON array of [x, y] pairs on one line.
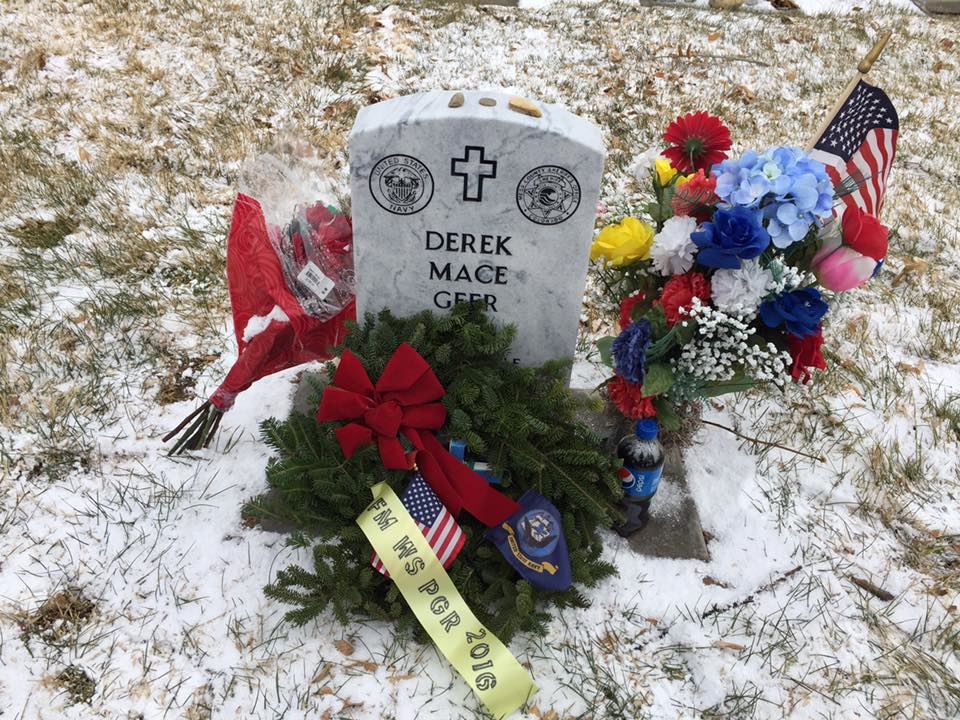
[[721, 285]]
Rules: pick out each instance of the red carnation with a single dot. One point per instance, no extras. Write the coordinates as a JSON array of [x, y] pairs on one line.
[[697, 142], [696, 197], [806, 354], [679, 292], [629, 400], [626, 308]]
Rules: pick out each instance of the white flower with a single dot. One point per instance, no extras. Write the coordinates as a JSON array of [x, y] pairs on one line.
[[741, 289], [725, 345], [642, 164], [673, 250]]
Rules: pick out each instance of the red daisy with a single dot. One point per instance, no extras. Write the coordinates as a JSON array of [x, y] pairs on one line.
[[697, 142]]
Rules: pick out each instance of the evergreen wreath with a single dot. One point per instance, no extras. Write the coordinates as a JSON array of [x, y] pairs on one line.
[[522, 421]]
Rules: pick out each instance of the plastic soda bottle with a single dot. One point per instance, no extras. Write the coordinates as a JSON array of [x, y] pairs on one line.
[[642, 457]]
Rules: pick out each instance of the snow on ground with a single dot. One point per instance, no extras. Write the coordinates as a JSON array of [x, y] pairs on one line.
[[130, 588]]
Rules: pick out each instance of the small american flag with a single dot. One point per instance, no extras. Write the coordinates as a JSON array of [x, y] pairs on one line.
[[858, 147], [434, 520]]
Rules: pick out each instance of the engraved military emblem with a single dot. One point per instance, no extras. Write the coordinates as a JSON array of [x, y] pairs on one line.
[[401, 184], [548, 195]]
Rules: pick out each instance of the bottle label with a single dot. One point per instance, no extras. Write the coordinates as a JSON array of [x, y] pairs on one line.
[[639, 482]]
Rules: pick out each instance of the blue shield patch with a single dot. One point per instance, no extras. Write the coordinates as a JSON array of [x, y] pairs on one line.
[[532, 541]]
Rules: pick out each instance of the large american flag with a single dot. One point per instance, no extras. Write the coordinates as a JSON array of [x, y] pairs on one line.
[[434, 520], [858, 147]]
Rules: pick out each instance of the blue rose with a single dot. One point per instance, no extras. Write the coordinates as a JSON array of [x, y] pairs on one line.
[[800, 310], [630, 351], [734, 234]]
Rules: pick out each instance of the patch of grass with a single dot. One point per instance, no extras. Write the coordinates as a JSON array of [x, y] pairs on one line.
[[939, 334], [76, 683], [45, 234], [896, 481], [61, 615], [944, 414], [178, 383], [741, 702], [936, 555]]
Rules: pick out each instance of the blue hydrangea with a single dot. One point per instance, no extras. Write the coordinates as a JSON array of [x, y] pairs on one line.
[[630, 351], [790, 189]]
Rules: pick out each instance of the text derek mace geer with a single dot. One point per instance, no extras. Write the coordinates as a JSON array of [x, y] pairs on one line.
[[487, 273]]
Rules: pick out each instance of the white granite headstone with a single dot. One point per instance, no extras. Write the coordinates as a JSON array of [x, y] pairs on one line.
[[476, 196]]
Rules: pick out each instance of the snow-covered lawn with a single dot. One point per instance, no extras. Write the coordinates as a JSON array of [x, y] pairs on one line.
[[129, 585]]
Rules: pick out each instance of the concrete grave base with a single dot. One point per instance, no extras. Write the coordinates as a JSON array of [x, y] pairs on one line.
[[674, 530]]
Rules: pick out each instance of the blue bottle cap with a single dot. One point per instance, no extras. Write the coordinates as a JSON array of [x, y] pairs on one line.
[[647, 429]]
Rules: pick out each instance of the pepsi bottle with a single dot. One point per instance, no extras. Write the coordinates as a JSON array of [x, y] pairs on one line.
[[642, 457]]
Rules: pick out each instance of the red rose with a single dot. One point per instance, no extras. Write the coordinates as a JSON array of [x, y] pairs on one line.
[[629, 400], [864, 233], [626, 308], [334, 229], [806, 354], [679, 292], [318, 214]]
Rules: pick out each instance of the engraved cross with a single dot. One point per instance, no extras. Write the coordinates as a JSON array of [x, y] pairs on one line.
[[473, 167]]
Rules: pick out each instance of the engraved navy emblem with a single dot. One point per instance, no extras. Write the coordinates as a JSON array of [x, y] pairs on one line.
[[401, 184], [548, 195]]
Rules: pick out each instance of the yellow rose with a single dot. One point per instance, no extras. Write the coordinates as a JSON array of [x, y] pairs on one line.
[[684, 179], [624, 242], [665, 171]]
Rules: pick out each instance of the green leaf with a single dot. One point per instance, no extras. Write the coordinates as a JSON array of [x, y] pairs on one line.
[[666, 207], [658, 321], [736, 385], [605, 347], [666, 414], [685, 333], [658, 380]]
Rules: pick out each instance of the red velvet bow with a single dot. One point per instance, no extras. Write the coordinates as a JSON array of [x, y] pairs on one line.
[[405, 401]]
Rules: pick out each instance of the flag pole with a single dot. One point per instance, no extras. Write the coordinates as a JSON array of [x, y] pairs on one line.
[[863, 67]]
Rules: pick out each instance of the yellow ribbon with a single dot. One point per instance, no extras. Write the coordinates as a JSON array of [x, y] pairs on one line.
[[482, 660]]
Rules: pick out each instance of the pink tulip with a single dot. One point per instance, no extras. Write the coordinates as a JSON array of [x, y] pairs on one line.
[[840, 268], [847, 263]]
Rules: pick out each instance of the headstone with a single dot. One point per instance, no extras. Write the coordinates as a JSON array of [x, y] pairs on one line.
[[476, 197], [936, 7]]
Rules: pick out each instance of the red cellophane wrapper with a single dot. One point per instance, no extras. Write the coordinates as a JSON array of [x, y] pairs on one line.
[[291, 291]]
